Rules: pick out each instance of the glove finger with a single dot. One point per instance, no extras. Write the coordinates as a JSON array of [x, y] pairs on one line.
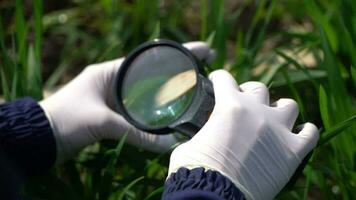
[[116, 126], [224, 85], [257, 89], [289, 111], [201, 50], [308, 136], [111, 65], [105, 76]]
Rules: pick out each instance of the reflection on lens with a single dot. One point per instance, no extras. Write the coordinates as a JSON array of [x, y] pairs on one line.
[[175, 87], [159, 86]]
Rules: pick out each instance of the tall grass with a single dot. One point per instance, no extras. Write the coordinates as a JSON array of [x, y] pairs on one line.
[[257, 40]]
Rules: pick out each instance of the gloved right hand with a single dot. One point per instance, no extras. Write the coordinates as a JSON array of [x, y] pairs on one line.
[[247, 140]]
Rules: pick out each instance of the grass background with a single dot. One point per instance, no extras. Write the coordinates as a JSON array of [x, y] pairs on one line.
[[304, 50]]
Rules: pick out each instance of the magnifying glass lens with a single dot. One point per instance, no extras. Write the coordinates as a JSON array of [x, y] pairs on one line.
[[158, 86]]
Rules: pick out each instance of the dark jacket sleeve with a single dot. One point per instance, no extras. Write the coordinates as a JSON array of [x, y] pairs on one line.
[[200, 184], [27, 144]]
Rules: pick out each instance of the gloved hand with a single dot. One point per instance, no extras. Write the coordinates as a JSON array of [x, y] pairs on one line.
[[247, 140], [83, 111]]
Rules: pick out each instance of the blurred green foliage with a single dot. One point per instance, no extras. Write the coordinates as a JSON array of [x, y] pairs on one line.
[[301, 49]]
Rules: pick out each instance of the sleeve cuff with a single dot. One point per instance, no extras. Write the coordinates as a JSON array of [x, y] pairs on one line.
[[199, 183], [26, 137]]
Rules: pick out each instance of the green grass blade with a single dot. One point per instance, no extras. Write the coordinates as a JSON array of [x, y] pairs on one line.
[[35, 89], [21, 32], [262, 32], [256, 17], [34, 81], [156, 32], [5, 64], [15, 92], [38, 11], [353, 74], [336, 130], [297, 76], [211, 38], [272, 71], [221, 30], [155, 193], [5, 87], [309, 174], [203, 19], [320, 18], [127, 188], [111, 166], [298, 66], [4, 58], [66, 58], [342, 103], [323, 106], [110, 169], [296, 95]]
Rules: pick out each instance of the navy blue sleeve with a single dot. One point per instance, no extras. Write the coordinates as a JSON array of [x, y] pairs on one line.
[[200, 184], [27, 143]]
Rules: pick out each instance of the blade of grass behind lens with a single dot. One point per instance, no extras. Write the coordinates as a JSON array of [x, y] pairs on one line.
[[5, 64], [16, 90], [246, 57], [128, 187], [267, 77], [203, 19], [296, 95], [5, 87], [309, 173], [211, 38], [336, 130], [262, 31], [66, 58], [256, 17], [297, 76], [34, 83], [323, 106], [353, 75], [221, 29], [21, 36], [38, 11], [155, 193], [109, 171], [298, 66], [318, 16], [156, 31], [20, 29], [343, 26], [342, 107]]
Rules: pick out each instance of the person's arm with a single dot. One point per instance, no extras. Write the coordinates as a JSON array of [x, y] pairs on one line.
[[27, 144], [199, 183], [27, 141], [247, 144]]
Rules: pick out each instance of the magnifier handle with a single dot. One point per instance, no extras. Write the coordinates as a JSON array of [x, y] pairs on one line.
[[198, 114], [208, 88]]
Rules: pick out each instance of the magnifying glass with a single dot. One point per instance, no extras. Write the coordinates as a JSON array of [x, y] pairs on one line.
[[161, 88]]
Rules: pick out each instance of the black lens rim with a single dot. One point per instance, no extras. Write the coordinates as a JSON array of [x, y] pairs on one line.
[[123, 70]]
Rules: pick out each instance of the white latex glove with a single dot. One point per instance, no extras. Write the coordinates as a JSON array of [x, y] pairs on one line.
[[247, 140], [83, 111]]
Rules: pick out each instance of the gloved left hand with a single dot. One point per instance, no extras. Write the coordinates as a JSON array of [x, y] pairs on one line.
[[83, 111]]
